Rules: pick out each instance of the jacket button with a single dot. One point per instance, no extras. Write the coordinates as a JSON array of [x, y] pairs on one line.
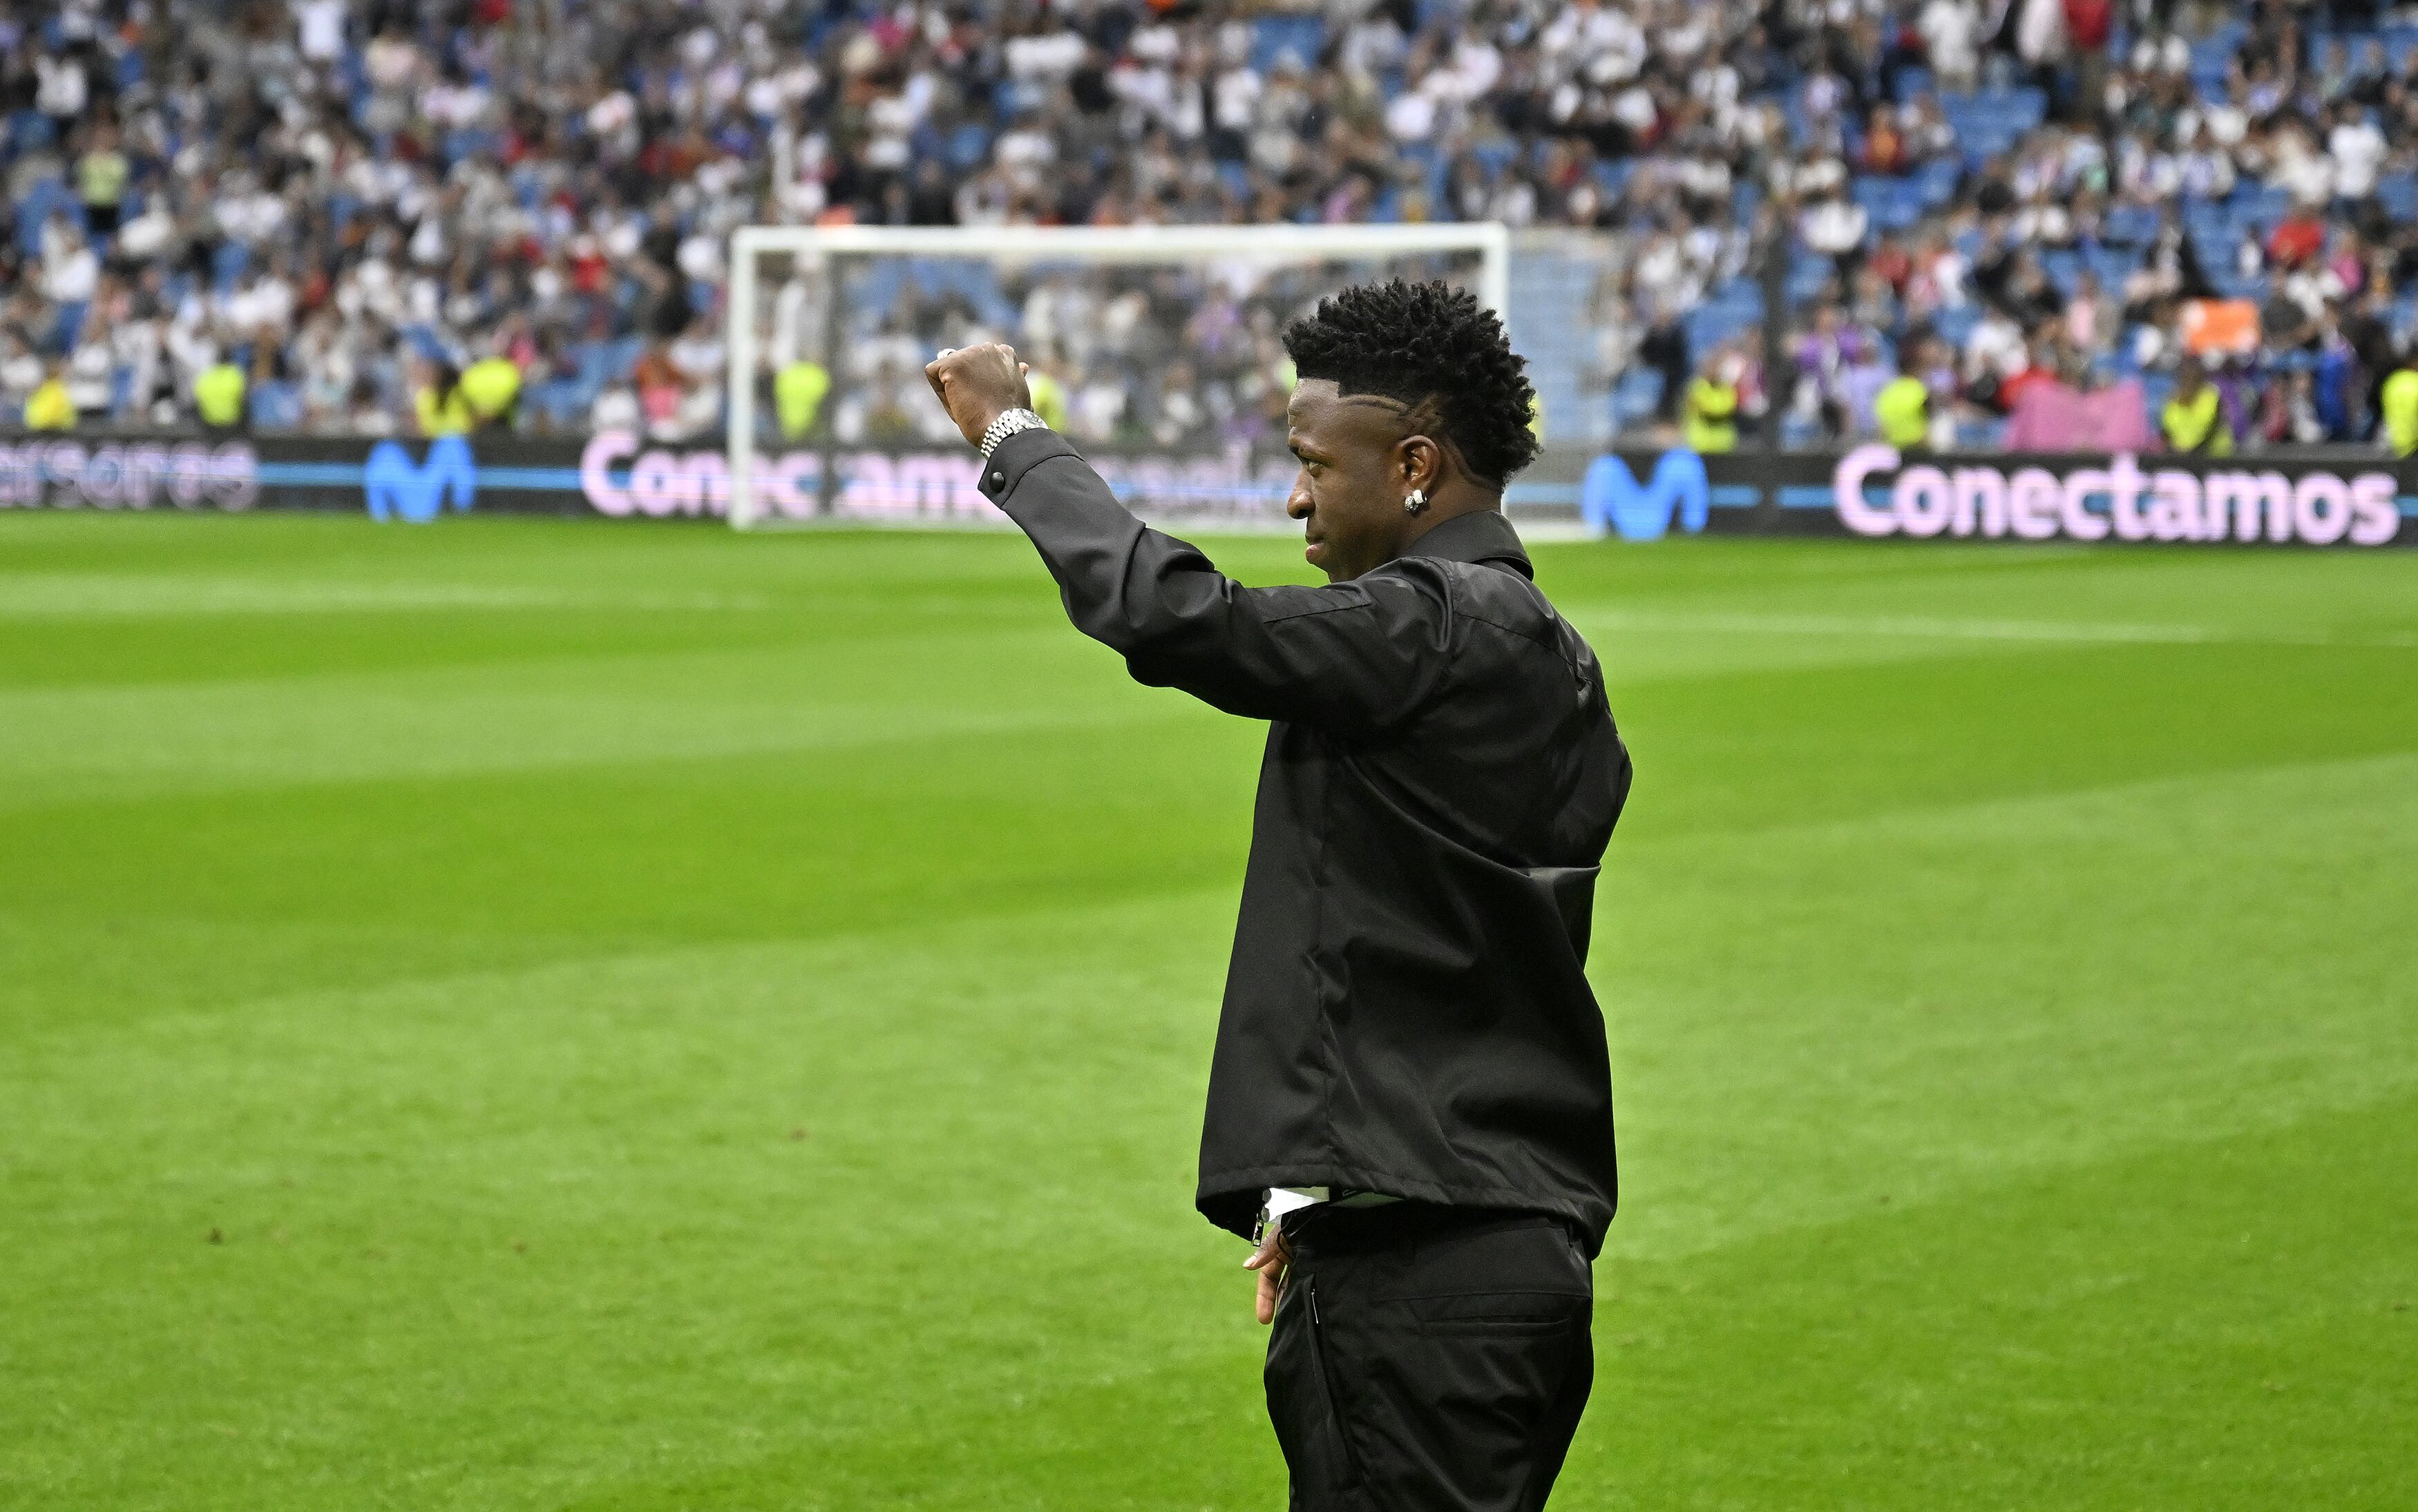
[[997, 479]]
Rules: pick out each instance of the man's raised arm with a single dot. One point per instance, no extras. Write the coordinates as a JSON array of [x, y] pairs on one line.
[[1358, 655]]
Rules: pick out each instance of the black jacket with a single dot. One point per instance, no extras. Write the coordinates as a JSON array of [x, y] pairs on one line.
[[1406, 1010]]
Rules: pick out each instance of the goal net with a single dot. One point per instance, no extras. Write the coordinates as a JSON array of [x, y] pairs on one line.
[[1155, 349]]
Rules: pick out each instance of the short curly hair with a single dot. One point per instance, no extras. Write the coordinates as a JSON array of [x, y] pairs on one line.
[[1430, 347]]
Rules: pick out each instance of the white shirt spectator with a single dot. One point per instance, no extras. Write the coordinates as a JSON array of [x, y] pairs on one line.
[[1951, 31], [72, 275], [319, 29], [1048, 58], [2357, 148], [1995, 349], [1410, 116], [62, 89], [2040, 31], [1236, 98], [1834, 226], [2302, 171]]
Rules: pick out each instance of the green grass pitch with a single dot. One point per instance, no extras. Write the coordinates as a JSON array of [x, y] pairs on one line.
[[534, 1014]]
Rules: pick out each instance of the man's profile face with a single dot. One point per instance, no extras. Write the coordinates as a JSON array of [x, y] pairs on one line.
[[1353, 480]]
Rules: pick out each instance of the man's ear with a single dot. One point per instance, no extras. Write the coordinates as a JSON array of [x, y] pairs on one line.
[[1419, 463]]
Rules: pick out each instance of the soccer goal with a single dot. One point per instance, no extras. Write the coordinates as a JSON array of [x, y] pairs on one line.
[[1158, 349]]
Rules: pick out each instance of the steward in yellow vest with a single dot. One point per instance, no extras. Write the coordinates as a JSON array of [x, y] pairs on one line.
[[49, 408], [1903, 410], [490, 386], [2399, 403], [1710, 418], [2195, 417], [218, 394], [1048, 398], [439, 405], [798, 391]]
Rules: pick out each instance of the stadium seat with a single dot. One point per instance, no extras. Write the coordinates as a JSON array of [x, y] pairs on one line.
[[229, 261], [1938, 180], [1637, 395], [2398, 195], [2136, 224], [276, 406], [1272, 37]]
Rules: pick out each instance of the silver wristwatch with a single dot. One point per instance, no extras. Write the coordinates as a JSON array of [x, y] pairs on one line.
[[1008, 424]]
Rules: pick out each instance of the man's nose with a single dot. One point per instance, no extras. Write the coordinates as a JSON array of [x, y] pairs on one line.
[[1297, 502]]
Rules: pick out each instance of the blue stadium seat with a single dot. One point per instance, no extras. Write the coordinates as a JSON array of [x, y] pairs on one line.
[[1272, 37], [276, 406], [1708, 326], [2135, 223], [1938, 180], [969, 146], [2112, 265], [228, 263], [1637, 395], [69, 323], [44, 197]]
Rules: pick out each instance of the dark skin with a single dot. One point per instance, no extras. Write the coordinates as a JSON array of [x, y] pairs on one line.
[[1362, 456]]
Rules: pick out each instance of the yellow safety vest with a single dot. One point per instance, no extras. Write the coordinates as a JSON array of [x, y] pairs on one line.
[[489, 386], [218, 393], [797, 392], [2400, 402], [450, 416], [49, 409], [1903, 410], [1712, 416], [2198, 425], [1049, 399]]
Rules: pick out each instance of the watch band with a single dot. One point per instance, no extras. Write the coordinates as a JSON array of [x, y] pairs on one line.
[[1008, 424]]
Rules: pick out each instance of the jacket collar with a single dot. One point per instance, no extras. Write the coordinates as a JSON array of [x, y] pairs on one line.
[[1482, 536]]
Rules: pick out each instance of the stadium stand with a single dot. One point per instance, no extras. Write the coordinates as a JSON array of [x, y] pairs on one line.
[[343, 200]]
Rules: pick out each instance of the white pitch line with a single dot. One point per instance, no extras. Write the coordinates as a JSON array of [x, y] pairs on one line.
[[1931, 628], [51, 596]]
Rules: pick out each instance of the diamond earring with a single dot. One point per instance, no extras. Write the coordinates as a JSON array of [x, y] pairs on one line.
[[1415, 501]]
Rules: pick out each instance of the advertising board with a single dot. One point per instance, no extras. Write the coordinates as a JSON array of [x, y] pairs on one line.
[[2339, 500]]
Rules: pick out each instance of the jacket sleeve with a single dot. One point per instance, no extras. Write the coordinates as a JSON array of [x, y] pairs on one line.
[[1357, 657]]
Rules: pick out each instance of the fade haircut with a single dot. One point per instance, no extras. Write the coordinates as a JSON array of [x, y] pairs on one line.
[[1433, 350]]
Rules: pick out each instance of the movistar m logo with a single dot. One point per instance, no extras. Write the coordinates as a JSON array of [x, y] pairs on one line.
[[397, 487], [1611, 499]]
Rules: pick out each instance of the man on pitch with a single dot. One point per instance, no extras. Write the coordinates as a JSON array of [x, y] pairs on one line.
[[1410, 1106]]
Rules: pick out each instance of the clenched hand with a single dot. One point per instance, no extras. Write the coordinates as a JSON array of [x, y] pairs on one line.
[[979, 384]]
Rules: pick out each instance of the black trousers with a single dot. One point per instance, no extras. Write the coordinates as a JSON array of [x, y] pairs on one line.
[[1429, 1359]]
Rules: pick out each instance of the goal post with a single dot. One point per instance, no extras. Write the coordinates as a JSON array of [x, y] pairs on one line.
[[1298, 262]]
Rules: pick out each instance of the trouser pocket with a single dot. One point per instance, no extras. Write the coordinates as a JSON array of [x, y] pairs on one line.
[[1306, 1408]]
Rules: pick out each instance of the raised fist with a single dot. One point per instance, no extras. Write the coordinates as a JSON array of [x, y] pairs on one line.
[[977, 385]]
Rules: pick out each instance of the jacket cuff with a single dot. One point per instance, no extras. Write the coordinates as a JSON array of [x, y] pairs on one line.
[[1018, 455]]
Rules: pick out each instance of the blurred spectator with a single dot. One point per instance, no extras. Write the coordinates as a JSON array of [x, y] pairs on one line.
[[1709, 413], [48, 406], [2195, 418]]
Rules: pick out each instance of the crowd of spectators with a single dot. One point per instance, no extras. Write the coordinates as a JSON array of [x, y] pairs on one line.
[[349, 203]]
